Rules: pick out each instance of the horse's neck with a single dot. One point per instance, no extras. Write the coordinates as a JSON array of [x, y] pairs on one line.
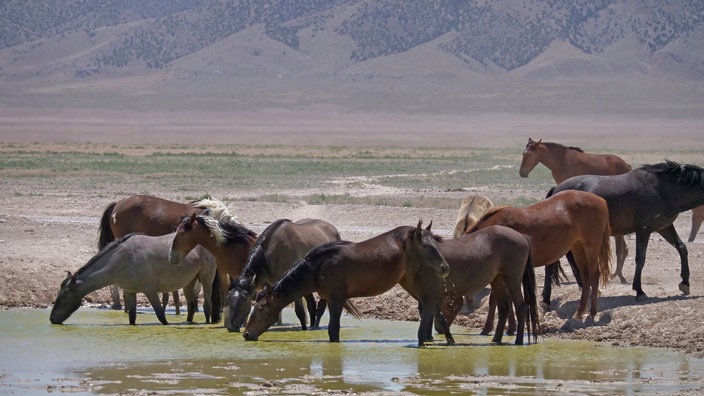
[[101, 273], [556, 159]]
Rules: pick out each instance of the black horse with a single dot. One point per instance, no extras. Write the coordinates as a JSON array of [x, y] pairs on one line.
[[647, 200]]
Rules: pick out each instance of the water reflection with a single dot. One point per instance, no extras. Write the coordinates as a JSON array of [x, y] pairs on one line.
[[373, 356]]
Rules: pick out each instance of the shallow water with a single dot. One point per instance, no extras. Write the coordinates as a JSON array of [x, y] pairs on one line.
[[96, 352]]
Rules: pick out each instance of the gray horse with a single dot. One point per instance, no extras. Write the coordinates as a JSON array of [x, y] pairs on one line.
[[139, 263]]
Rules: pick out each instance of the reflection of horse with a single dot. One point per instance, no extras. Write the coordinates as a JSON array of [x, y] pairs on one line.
[[697, 218], [573, 221], [341, 270], [150, 216], [278, 247], [496, 256], [647, 200], [138, 263], [228, 241], [565, 162], [472, 208]]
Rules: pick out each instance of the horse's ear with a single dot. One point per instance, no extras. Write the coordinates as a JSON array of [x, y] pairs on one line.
[[539, 140], [429, 225], [419, 228], [192, 219]]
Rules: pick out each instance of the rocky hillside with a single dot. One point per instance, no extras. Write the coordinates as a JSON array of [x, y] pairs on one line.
[[300, 52]]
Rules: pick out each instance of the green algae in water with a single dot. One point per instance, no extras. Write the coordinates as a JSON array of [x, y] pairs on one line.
[[96, 352]]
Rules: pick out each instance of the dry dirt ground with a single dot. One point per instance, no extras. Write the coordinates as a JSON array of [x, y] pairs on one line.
[[44, 235]]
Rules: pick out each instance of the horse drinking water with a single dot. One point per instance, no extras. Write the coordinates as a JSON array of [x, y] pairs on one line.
[[281, 245], [138, 264], [341, 270]]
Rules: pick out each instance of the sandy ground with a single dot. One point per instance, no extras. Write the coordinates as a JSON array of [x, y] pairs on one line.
[[44, 235]]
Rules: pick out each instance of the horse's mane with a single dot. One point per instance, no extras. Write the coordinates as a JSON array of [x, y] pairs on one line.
[[225, 232], [215, 208], [107, 249], [306, 267], [688, 175], [489, 213], [256, 262], [563, 146]]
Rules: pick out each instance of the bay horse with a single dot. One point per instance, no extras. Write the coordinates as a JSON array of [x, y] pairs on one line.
[[498, 256], [281, 245], [341, 270], [153, 216], [570, 221], [227, 240], [567, 161], [138, 264], [646, 200]]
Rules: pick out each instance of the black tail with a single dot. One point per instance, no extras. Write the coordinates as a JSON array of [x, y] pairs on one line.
[[105, 235], [216, 297], [529, 296]]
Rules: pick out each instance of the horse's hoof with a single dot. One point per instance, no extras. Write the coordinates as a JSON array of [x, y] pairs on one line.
[[485, 332], [546, 307], [641, 297], [450, 341], [684, 289]]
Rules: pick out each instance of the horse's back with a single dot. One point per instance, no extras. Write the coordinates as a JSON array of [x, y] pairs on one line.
[[147, 214]]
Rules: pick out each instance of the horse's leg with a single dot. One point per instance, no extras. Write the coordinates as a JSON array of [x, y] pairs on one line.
[[586, 268], [498, 289], [575, 268], [335, 310], [621, 253], [177, 302], [208, 292], [311, 305], [547, 284], [130, 306], [319, 311], [300, 312], [115, 293], [428, 310], [697, 218], [670, 235], [189, 294], [164, 300], [153, 298], [642, 238], [521, 309], [511, 321], [489, 323]]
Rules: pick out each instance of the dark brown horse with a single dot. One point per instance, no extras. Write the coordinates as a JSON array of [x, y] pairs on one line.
[[496, 256], [281, 245], [573, 220], [229, 241], [647, 200], [152, 216], [341, 270], [565, 162]]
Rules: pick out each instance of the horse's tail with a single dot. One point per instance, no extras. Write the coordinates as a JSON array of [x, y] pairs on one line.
[[605, 256], [216, 299], [529, 296], [105, 235], [351, 309]]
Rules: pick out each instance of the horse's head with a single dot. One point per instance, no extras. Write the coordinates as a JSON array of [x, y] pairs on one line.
[[67, 301], [530, 157], [423, 251], [184, 239], [264, 314], [239, 301]]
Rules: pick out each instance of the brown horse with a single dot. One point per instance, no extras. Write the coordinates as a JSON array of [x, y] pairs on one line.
[[575, 221], [229, 241], [496, 256], [565, 162], [341, 270], [152, 216], [282, 244]]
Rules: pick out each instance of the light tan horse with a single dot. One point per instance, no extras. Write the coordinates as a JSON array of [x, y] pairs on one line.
[[697, 218], [472, 208], [565, 162]]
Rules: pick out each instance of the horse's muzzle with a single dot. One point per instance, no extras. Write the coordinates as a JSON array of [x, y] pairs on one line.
[[444, 269], [249, 337]]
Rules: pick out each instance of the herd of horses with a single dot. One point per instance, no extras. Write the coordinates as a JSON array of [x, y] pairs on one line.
[[151, 245]]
